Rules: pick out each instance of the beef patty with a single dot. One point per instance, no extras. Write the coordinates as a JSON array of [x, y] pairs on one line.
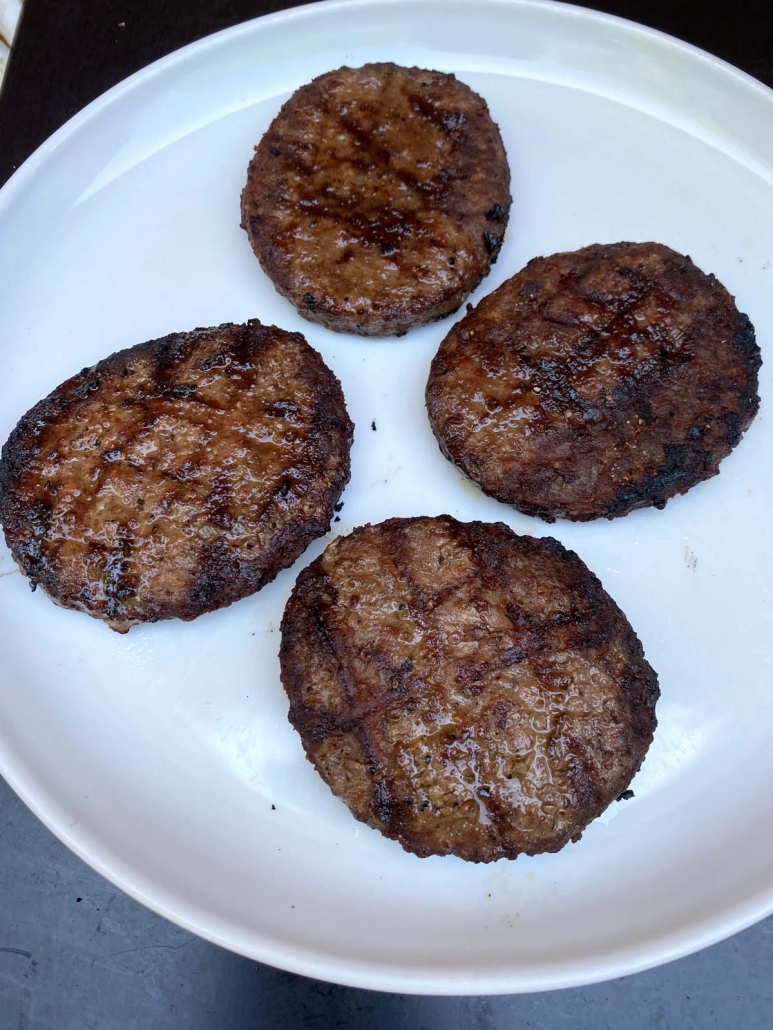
[[378, 198], [596, 382], [465, 690], [177, 476]]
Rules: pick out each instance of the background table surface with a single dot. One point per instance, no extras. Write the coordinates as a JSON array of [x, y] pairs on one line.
[[76, 953]]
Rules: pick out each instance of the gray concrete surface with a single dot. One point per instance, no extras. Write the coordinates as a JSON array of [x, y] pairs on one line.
[[77, 954]]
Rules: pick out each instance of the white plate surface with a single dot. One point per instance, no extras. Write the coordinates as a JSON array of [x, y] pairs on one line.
[[159, 756]]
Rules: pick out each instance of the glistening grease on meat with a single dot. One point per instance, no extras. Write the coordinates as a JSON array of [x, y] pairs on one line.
[[465, 690], [177, 476], [378, 198], [596, 382]]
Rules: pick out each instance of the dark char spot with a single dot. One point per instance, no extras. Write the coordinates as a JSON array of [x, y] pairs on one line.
[[513, 656], [493, 245], [733, 428], [745, 341]]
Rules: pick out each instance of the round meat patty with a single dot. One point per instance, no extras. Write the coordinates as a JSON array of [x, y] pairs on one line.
[[596, 382], [465, 690], [177, 476], [378, 198]]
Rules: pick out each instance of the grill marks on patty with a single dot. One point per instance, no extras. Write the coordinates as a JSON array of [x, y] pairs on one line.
[[378, 198], [596, 382], [465, 690], [177, 476]]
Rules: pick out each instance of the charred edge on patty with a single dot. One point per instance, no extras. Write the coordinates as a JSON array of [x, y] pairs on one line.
[[349, 685], [632, 372], [130, 393], [374, 210]]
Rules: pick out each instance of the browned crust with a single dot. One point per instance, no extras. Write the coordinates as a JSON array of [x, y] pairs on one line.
[[183, 501], [432, 665], [596, 382], [378, 198]]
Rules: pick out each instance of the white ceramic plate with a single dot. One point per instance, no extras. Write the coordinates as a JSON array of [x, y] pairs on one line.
[[164, 758]]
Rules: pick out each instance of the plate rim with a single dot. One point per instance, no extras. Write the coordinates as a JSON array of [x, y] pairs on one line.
[[261, 947]]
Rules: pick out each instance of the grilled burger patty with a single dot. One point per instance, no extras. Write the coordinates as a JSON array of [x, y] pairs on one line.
[[378, 198], [596, 382], [177, 476], [465, 690]]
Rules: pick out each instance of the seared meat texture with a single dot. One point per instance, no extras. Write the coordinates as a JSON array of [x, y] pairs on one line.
[[465, 690], [177, 476], [596, 382], [378, 198]]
